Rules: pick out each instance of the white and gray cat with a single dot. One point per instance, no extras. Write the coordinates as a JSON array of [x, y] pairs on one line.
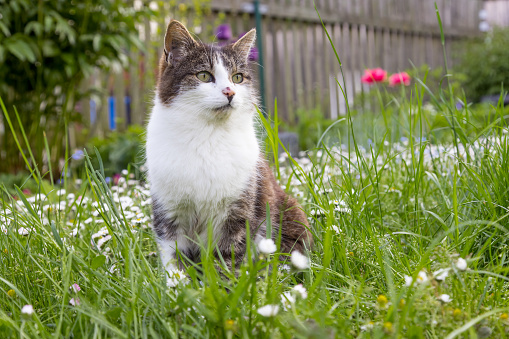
[[203, 157]]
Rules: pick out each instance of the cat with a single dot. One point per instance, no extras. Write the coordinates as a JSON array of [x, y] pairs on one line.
[[203, 156]]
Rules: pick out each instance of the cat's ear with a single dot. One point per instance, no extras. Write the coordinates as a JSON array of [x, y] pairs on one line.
[[177, 42], [244, 44]]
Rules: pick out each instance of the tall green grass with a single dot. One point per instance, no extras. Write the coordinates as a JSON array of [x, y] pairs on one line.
[[388, 219]]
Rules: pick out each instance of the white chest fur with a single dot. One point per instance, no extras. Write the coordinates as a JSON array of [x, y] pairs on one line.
[[197, 166]]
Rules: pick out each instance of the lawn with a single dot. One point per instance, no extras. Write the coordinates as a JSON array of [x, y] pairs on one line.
[[410, 241], [410, 223]]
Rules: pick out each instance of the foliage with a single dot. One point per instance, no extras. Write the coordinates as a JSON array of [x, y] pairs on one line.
[[118, 151], [309, 126], [485, 64], [46, 49], [392, 224]]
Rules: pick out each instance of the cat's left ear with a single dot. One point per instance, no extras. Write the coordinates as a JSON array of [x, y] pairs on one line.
[[244, 44]]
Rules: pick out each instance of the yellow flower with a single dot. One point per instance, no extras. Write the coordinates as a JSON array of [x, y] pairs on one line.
[[456, 313], [504, 316], [388, 327], [5, 251], [11, 293], [350, 254], [382, 301], [402, 303], [229, 325]]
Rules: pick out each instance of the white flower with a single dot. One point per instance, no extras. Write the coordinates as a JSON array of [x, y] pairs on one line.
[[461, 264], [23, 231], [74, 301], [299, 260], [445, 298], [61, 192], [300, 291], [422, 277], [408, 280], [267, 246], [441, 274], [337, 229], [101, 241], [287, 299], [27, 309], [176, 276], [124, 172], [268, 310]]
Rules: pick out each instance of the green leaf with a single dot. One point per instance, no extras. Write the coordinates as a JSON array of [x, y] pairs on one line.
[[98, 262], [20, 49], [113, 314]]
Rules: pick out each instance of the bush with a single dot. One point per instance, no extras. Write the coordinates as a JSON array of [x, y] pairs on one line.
[[118, 151], [485, 64], [45, 52]]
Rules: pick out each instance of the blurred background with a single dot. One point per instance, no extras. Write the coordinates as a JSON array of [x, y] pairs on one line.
[[81, 74]]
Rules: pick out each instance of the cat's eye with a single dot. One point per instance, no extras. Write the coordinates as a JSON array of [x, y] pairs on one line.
[[237, 78], [204, 76]]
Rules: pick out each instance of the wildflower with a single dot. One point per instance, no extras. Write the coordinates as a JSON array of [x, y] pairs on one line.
[[268, 310], [287, 299], [382, 301], [399, 79], [368, 326], [504, 317], [299, 260], [267, 246], [441, 274], [337, 229], [229, 325], [387, 327], [402, 303], [374, 75], [456, 313], [224, 32], [27, 310], [300, 291], [422, 277], [176, 276], [75, 288], [103, 240], [445, 298], [61, 192], [74, 301], [461, 264], [11, 293], [23, 231]]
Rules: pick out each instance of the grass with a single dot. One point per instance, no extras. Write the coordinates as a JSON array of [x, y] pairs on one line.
[[392, 223]]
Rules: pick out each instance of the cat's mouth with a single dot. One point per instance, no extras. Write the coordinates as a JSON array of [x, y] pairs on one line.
[[223, 108]]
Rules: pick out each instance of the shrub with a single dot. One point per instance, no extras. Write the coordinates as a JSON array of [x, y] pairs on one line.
[[46, 49], [485, 64]]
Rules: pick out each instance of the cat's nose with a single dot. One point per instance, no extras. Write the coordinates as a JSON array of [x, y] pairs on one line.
[[229, 93]]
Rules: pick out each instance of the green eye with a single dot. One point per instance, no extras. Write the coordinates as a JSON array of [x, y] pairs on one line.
[[204, 76], [237, 78]]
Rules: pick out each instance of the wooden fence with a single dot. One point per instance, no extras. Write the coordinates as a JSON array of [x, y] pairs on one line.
[[497, 12], [299, 64]]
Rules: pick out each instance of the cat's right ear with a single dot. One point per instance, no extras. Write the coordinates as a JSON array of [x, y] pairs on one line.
[[177, 42]]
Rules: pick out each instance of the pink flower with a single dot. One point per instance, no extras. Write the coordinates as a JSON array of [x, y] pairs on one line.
[[75, 288], [399, 79], [74, 301], [374, 75]]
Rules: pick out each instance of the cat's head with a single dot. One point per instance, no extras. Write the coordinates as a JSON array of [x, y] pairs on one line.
[[212, 80]]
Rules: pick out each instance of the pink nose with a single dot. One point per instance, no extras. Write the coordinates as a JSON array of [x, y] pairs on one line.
[[229, 93]]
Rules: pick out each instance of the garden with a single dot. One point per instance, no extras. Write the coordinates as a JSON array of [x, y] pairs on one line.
[[407, 197]]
